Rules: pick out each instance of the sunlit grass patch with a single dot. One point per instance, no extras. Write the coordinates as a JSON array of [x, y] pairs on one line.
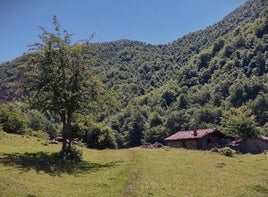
[[30, 168], [180, 172]]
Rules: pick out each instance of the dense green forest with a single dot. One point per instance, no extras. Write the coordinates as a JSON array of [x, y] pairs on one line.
[[157, 90]]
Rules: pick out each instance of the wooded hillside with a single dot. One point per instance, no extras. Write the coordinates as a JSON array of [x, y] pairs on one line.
[[190, 82]]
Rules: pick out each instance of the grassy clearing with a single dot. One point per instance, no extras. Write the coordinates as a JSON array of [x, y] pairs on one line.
[[194, 173], [27, 168], [103, 173]]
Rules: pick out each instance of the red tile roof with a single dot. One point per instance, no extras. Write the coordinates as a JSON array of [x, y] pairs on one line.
[[264, 138], [200, 133]]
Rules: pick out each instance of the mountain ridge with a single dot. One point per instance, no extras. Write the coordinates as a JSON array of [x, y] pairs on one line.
[[165, 88]]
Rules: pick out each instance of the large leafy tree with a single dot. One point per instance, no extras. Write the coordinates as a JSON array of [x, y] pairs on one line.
[[58, 78], [239, 122]]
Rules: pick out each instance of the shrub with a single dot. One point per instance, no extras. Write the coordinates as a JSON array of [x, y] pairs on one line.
[[37, 120], [38, 134], [226, 151], [95, 135], [45, 122], [72, 154], [12, 119], [100, 137], [155, 134]]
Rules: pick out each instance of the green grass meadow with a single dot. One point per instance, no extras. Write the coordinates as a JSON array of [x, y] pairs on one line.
[[28, 168]]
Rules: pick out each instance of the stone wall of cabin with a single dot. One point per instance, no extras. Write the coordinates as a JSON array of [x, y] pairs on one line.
[[256, 146], [175, 144], [212, 140], [188, 144], [191, 144]]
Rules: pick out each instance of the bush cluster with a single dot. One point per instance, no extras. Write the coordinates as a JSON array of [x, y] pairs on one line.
[[226, 151]]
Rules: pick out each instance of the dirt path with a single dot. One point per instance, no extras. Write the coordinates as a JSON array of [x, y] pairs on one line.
[[131, 188]]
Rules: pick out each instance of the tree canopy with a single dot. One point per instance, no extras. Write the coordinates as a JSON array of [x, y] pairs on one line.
[[239, 122]]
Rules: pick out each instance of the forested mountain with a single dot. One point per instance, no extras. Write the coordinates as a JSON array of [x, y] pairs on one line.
[[230, 73], [190, 82], [150, 66]]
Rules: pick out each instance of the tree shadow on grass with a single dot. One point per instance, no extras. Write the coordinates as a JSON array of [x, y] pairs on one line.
[[50, 163]]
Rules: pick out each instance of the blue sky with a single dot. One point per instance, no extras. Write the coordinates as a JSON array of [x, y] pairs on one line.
[[149, 21]]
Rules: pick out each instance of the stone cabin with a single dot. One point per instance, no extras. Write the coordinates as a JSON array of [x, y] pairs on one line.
[[202, 139], [254, 145]]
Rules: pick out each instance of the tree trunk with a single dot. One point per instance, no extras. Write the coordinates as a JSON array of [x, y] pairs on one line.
[[64, 136], [66, 133], [69, 129]]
